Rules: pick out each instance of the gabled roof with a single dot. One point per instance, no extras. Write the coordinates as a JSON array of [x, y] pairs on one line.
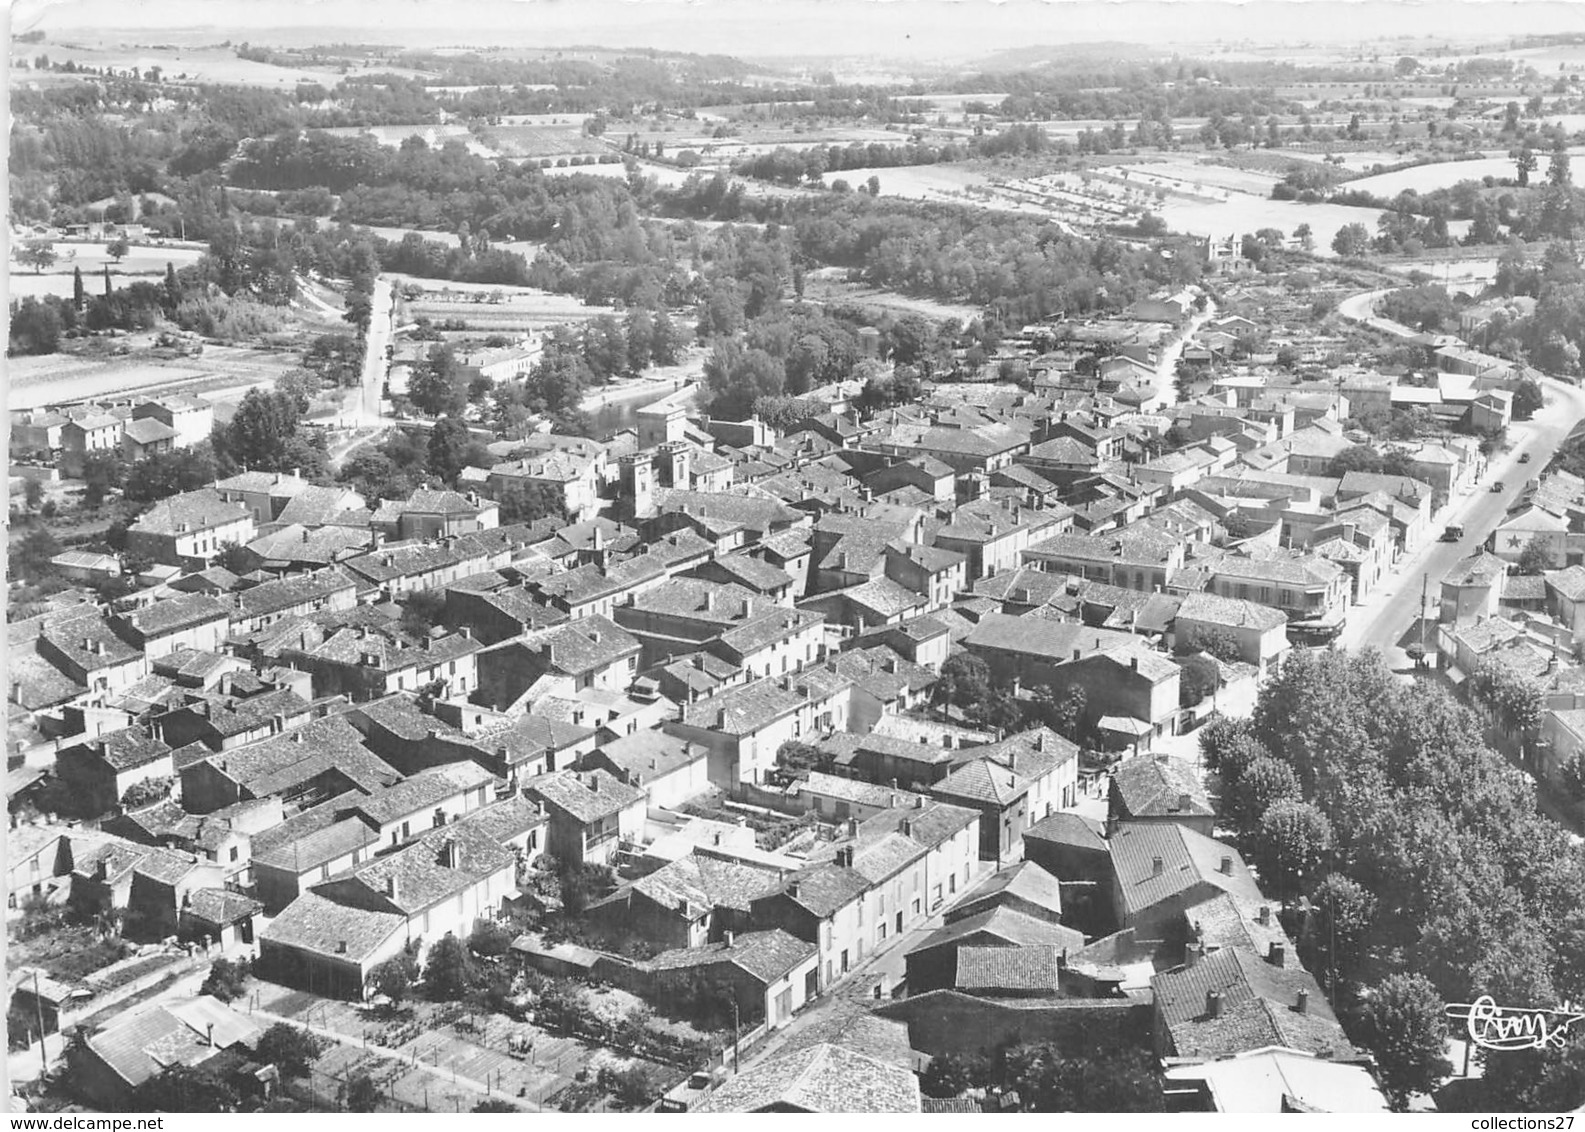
[[1014, 928], [1036, 967], [191, 511], [585, 797], [1187, 859]]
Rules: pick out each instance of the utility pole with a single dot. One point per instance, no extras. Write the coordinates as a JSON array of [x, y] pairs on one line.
[[38, 1006], [1425, 588], [737, 1064]]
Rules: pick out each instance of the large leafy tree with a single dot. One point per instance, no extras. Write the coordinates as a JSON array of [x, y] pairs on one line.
[[965, 681], [448, 971], [1404, 1025], [1288, 846], [448, 448], [291, 1049]]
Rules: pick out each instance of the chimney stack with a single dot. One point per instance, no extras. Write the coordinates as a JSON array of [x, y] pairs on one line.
[[727, 937], [1278, 955], [391, 889], [1183, 802], [341, 947], [1213, 1004], [1157, 866], [1227, 866], [1265, 915], [1303, 1004], [209, 1034]]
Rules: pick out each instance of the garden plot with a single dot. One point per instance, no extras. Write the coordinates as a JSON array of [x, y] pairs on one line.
[[93, 258], [520, 308], [830, 285], [56, 379]]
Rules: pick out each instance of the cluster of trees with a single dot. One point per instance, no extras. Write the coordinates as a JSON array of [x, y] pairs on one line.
[[39, 323], [1049, 1078], [788, 166], [264, 435], [1422, 854]]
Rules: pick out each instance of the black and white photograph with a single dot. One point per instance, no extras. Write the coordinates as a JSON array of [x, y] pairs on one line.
[[832, 556]]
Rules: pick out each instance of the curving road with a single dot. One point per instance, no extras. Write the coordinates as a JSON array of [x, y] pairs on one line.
[[1386, 620]]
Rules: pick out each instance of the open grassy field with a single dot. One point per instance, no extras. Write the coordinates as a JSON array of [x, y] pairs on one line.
[[544, 141], [143, 259], [522, 309], [829, 285]]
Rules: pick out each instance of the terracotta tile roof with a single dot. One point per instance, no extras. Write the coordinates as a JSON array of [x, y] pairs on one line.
[[585, 797], [322, 927], [1257, 1008], [819, 1078], [1156, 786], [1187, 859], [696, 884], [1036, 967], [1013, 928]]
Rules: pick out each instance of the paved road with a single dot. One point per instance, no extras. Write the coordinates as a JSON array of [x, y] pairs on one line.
[[1388, 615], [1167, 367], [383, 303]]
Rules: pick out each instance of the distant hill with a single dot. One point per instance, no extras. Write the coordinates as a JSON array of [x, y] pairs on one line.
[[1021, 58]]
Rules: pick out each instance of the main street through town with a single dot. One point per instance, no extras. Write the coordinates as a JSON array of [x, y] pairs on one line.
[[1387, 619]]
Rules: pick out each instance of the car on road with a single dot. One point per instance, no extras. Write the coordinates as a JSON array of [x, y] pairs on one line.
[[1498, 486], [1524, 457], [1452, 532]]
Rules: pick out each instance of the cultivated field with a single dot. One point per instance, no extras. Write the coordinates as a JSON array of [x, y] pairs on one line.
[[522, 309], [220, 372], [1424, 178], [210, 64]]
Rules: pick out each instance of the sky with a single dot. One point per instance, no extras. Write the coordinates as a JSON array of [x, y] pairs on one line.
[[903, 29]]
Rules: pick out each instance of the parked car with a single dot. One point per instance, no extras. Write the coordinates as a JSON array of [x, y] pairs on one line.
[[1498, 486], [1452, 532], [1524, 457]]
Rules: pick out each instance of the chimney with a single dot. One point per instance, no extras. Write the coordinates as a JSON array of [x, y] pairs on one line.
[[919, 801], [1133, 662], [1213, 1004], [727, 937], [1278, 955], [209, 1034], [341, 947], [853, 827], [792, 889], [1183, 802], [1265, 915], [907, 828], [1157, 866], [392, 891], [1303, 1004], [1078, 654], [1193, 954], [1227, 866]]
